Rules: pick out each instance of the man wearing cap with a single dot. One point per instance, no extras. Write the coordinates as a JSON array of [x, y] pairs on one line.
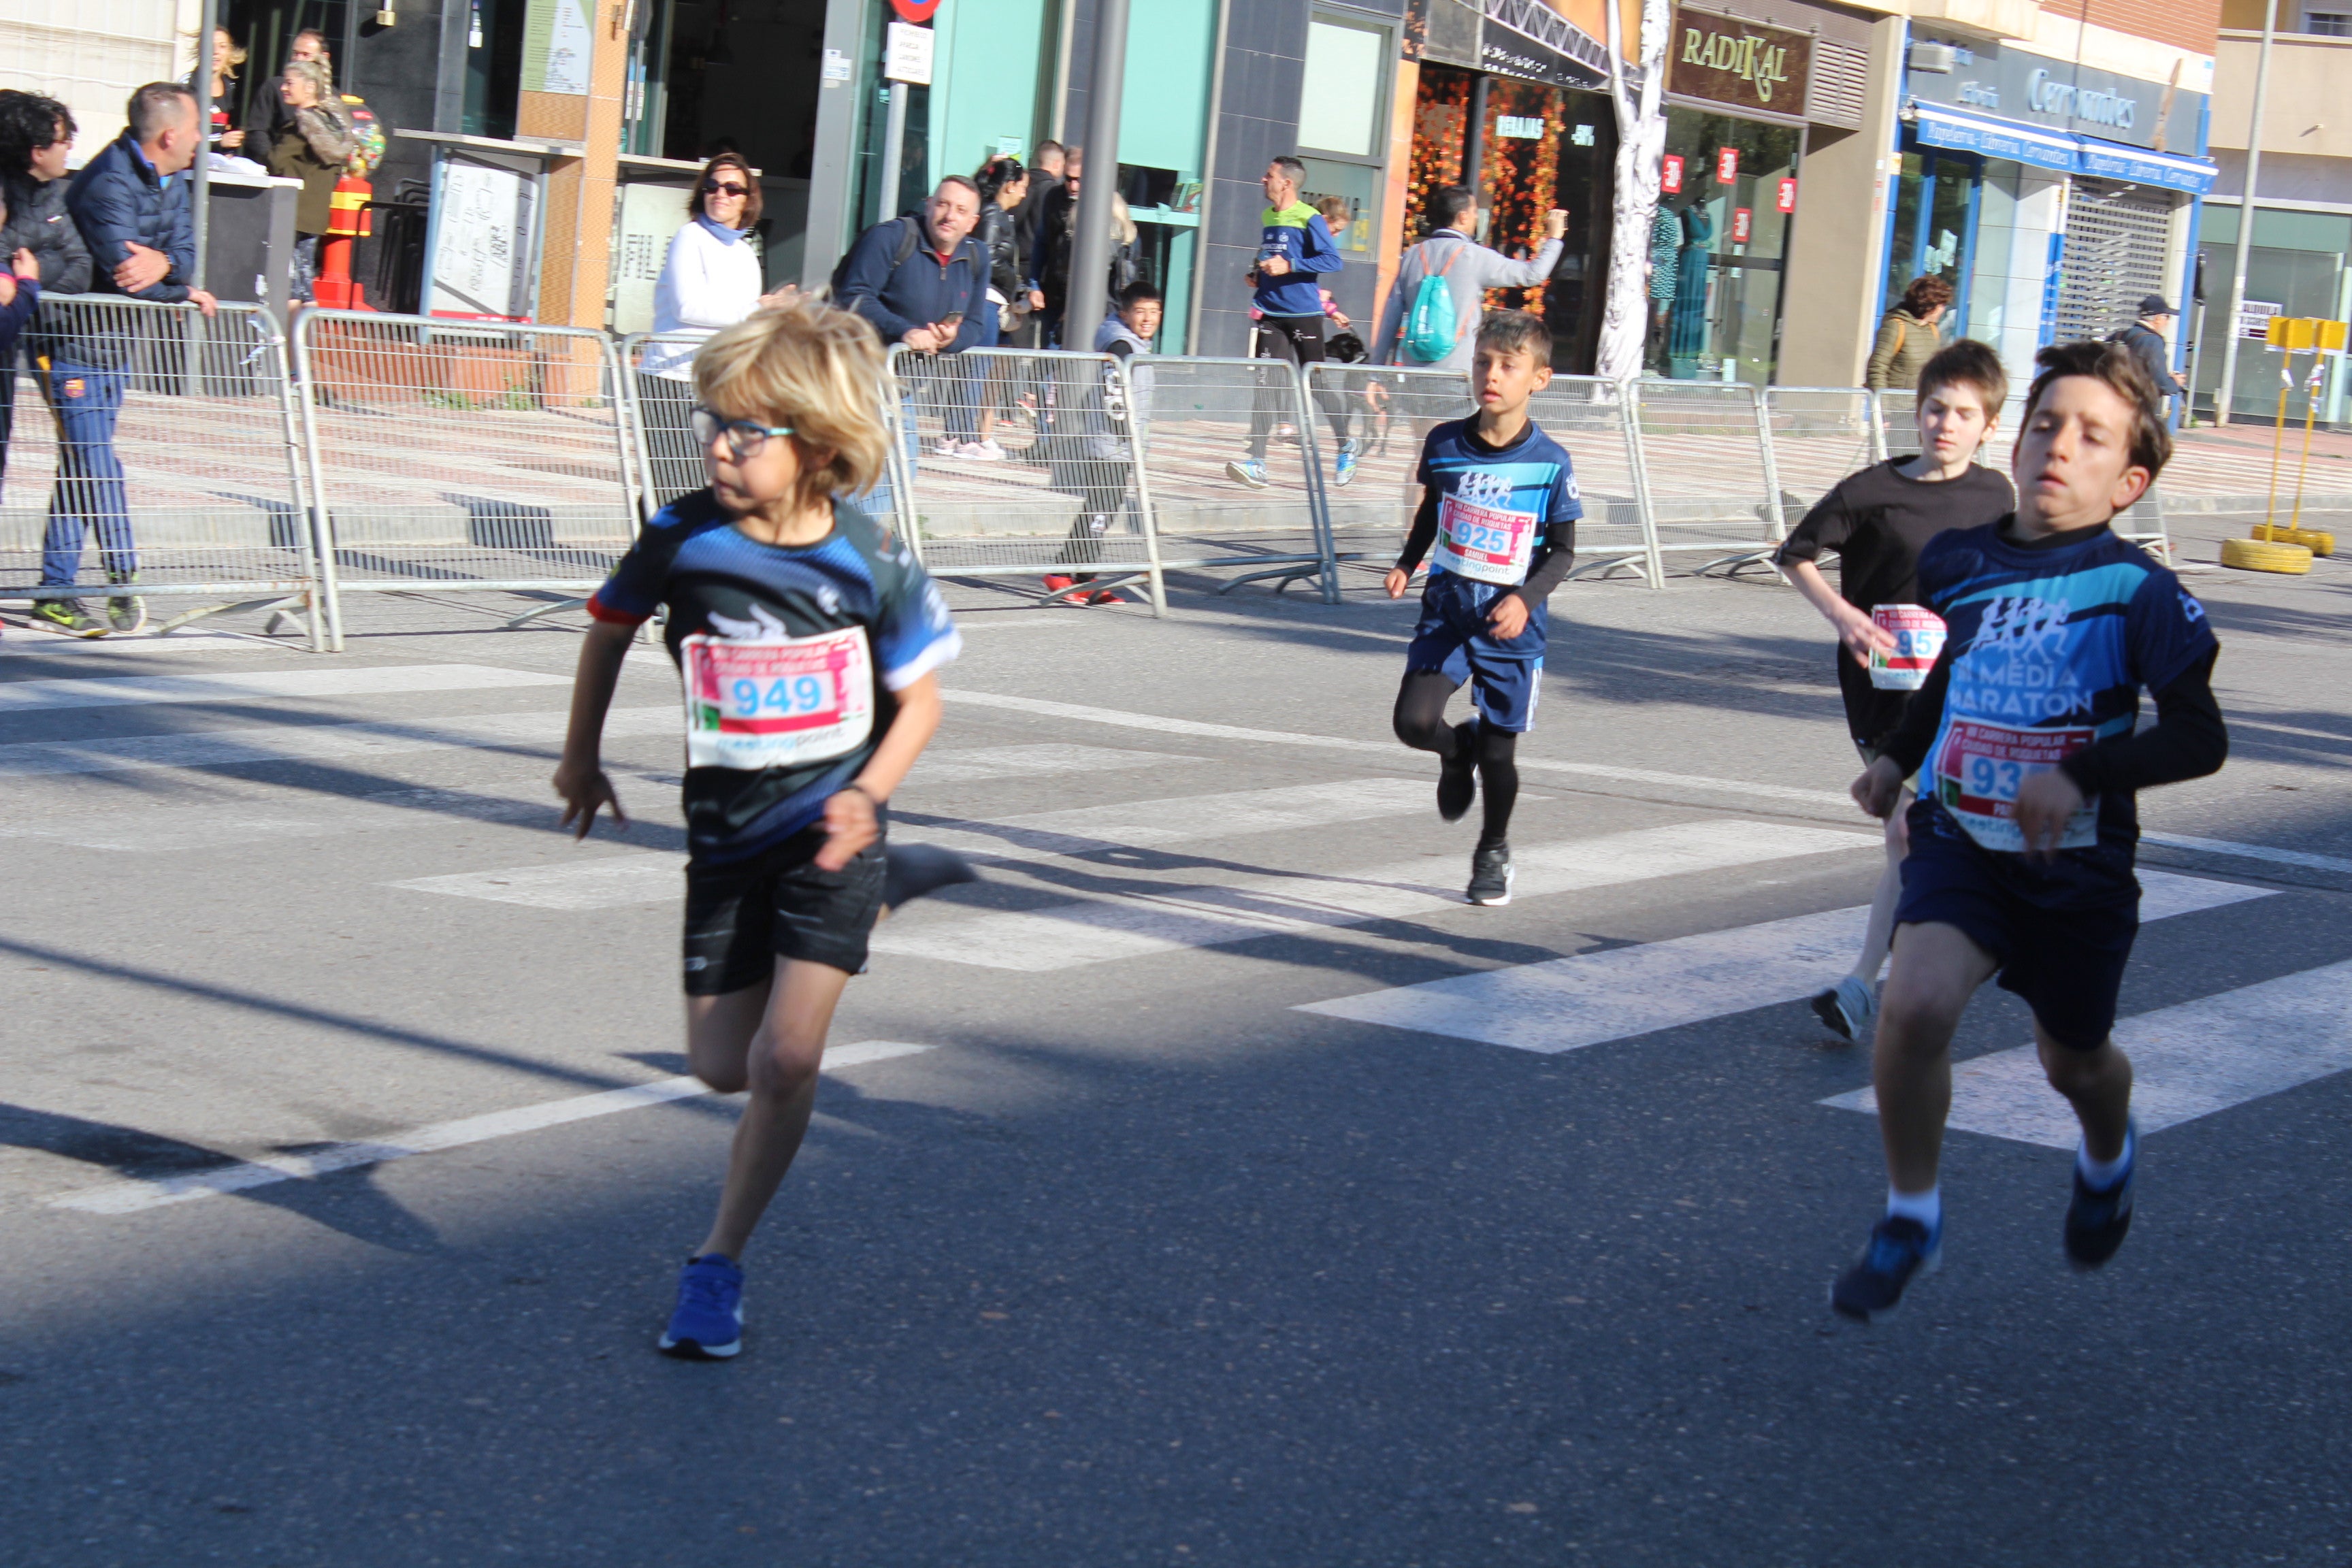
[[2149, 340]]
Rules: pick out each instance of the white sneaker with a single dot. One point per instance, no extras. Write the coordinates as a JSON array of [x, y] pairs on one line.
[[982, 451], [944, 448], [1847, 1008]]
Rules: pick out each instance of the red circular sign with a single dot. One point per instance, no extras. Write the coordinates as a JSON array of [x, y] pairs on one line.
[[915, 10]]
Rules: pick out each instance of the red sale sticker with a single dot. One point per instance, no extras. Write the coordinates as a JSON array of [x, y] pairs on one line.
[[1671, 180], [1743, 223], [1787, 200], [1727, 166]]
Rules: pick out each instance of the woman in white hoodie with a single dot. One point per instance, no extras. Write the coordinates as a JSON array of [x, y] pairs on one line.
[[711, 279]]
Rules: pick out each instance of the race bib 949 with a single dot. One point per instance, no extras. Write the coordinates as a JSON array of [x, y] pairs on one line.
[[1488, 543], [776, 703], [1982, 767]]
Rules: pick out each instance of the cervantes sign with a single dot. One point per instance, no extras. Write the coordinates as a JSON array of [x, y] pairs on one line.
[[1726, 60]]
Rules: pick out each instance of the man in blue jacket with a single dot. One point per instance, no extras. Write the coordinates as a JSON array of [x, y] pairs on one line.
[[1295, 249], [922, 280], [133, 208]]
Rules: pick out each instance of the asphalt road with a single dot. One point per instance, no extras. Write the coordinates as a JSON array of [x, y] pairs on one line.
[[1104, 1249]]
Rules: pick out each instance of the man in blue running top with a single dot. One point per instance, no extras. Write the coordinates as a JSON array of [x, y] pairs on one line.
[[1295, 253], [2022, 838], [809, 641], [1498, 501]]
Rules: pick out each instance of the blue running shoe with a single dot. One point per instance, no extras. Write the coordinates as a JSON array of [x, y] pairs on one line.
[[1343, 466], [1250, 471], [708, 1322], [2096, 1221], [1900, 1246]]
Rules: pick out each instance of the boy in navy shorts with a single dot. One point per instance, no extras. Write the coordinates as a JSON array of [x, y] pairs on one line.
[[2023, 840], [808, 639], [1498, 504]]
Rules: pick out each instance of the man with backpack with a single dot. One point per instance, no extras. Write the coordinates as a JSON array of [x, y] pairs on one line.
[[922, 280], [1431, 321]]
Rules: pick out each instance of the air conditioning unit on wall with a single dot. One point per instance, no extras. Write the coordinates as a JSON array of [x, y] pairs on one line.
[[1933, 58]]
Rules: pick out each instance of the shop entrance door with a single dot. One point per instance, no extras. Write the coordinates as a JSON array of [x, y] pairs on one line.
[[2113, 256], [1725, 234], [1936, 201]]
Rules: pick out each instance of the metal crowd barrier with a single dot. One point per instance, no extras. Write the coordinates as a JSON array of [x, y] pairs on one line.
[[1820, 434], [1390, 411], [658, 378], [1706, 470], [1201, 415], [464, 457], [1593, 419], [1024, 463], [153, 440]]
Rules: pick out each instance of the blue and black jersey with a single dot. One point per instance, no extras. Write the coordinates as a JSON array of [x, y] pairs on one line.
[[1500, 519], [1299, 235], [721, 583]]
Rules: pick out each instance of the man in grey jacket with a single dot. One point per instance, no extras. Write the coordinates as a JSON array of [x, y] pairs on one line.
[[2147, 339], [1469, 270]]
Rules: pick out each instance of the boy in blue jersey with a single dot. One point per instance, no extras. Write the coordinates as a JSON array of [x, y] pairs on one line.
[[1498, 502], [1295, 253], [808, 639], [2023, 840]]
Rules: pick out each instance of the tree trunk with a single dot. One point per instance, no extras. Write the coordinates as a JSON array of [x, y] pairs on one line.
[[1641, 148]]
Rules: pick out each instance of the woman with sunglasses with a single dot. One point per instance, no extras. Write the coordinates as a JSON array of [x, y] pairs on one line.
[[712, 278]]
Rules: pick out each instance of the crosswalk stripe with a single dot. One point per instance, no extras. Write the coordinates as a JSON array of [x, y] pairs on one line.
[[967, 765], [2188, 1061], [131, 1196], [317, 742], [279, 685], [1174, 916], [613, 880], [1567, 1004], [1159, 725]]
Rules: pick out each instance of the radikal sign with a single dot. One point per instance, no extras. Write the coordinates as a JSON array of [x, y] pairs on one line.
[[1749, 64], [2059, 95]]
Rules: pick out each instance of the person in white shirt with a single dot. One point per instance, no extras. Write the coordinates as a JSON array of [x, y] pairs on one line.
[[711, 279]]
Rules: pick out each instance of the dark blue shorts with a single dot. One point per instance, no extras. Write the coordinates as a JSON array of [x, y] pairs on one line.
[[2067, 963], [1504, 685]]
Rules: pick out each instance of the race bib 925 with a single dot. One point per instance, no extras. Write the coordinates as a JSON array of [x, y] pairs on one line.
[[1485, 543], [776, 703]]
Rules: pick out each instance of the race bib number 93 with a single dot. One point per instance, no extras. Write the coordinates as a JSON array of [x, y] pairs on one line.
[[1982, 767], [778, 702]]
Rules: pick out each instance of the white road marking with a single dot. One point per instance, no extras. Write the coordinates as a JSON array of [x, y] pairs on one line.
[[37, 641], [1567, 1004], [1178, 916], [129, 1196], [612, 880], [2187, 1061], [317, 742], [955, 766], [2251, 851], [1158, 725], [262, 686]]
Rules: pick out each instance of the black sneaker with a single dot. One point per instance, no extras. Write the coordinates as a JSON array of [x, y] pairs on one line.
[[1490, 876], [68, 616], [1457, 775], [1900, 1246], [915, 870], [2097, 1222]]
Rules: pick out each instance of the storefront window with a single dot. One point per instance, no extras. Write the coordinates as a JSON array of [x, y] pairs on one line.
[[1935, 223], [1727, 232], [2297, 267]]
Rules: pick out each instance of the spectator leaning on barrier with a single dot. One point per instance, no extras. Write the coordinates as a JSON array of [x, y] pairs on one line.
[[134, 210], [314, 150], [711, 279], [2149, 342], [1908, 336], [922, 280], [36, 136], [1093, 460], [1468, 269]]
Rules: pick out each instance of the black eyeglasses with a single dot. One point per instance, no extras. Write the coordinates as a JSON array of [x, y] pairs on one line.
[[719, 188], [745, 437]]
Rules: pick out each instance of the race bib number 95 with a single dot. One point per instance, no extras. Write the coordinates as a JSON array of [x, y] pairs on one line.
[[1982, 767], [1918, 637], [1485, 543], [776, 703]]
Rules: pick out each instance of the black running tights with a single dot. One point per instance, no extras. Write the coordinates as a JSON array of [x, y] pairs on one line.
[[1420, 724]]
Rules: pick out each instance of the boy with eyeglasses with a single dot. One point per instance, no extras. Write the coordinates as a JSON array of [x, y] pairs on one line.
[[809, 639]]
